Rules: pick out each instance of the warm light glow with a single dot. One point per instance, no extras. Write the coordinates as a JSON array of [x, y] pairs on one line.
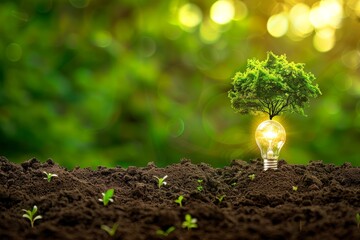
[[324, 39], [326, 13], [209, 32], [351, 59], [357, 8], [222, 11], [270, 136], [241, 10], [278, 24], [189, 16], [299, 18]]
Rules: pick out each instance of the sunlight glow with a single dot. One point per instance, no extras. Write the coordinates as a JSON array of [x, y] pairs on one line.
[[241, 10], [351, 59], [324, 39], [327, 13], [209, 32], [189, 16], [278, 24], [269, 135], [222, 11], [299, 18], [357, 8]]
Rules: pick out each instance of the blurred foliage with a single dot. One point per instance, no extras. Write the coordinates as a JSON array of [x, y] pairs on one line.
[[126, 82]]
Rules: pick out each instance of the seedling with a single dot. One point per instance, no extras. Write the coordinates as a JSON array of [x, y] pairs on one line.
[[220, 198], [161, 180], [30, 214], [179, 200], [49, 176], [357, 217], [110, 231], [200, 187], [107, 197], [189, 222], [165, 233], [252, 177], [233, 184], [294, 188]]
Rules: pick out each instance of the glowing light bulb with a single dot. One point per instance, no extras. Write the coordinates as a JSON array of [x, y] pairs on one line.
[[270, 136]]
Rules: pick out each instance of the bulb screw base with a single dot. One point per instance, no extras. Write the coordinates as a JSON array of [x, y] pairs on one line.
[[270, 163]]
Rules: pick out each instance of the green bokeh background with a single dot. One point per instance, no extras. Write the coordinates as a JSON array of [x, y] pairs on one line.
[[121, 82]]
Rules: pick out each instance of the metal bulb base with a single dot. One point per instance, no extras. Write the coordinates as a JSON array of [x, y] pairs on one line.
[[270, 164]]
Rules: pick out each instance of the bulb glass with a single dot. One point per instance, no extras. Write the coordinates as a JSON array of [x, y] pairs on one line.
[[270, 136]]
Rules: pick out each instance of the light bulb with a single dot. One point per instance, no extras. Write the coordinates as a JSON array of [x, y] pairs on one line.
[[270, 136]]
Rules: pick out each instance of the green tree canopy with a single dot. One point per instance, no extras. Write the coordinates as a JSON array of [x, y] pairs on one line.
[[272, 86]]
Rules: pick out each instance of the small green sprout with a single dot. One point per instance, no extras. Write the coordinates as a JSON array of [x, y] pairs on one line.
[[294, 188], [161, 180], [49, 176], [110, 231], [220, 198], [30, 214], [357, 217], [107, 197], [200, 187], [233, 184], [179, 200], [189, 222], [165, 233], [252, 177]]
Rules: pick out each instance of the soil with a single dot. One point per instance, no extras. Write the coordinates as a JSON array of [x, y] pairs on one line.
[[323, 207]]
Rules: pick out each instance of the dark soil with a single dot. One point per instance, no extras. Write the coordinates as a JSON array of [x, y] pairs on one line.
[[323, 207]]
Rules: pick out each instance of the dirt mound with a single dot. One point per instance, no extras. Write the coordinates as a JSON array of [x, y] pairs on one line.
[[323, 206]]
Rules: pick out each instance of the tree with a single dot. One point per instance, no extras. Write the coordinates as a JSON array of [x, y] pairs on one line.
[[272, 86]]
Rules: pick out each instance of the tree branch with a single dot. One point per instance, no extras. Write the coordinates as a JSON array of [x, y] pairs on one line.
[[287, 103]]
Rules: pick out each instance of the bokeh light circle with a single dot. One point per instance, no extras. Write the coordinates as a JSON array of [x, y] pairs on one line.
[[278, 25], [189, 16], [324, 39], [222, 11], [299, 18]]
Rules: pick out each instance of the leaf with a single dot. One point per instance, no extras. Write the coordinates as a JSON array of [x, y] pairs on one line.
[[170, 229], [107, 196], [105, 228], [27, 211], [160, 232], [37, 217], [110, 231], [109, 193], [34, 210], [27, 216]]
